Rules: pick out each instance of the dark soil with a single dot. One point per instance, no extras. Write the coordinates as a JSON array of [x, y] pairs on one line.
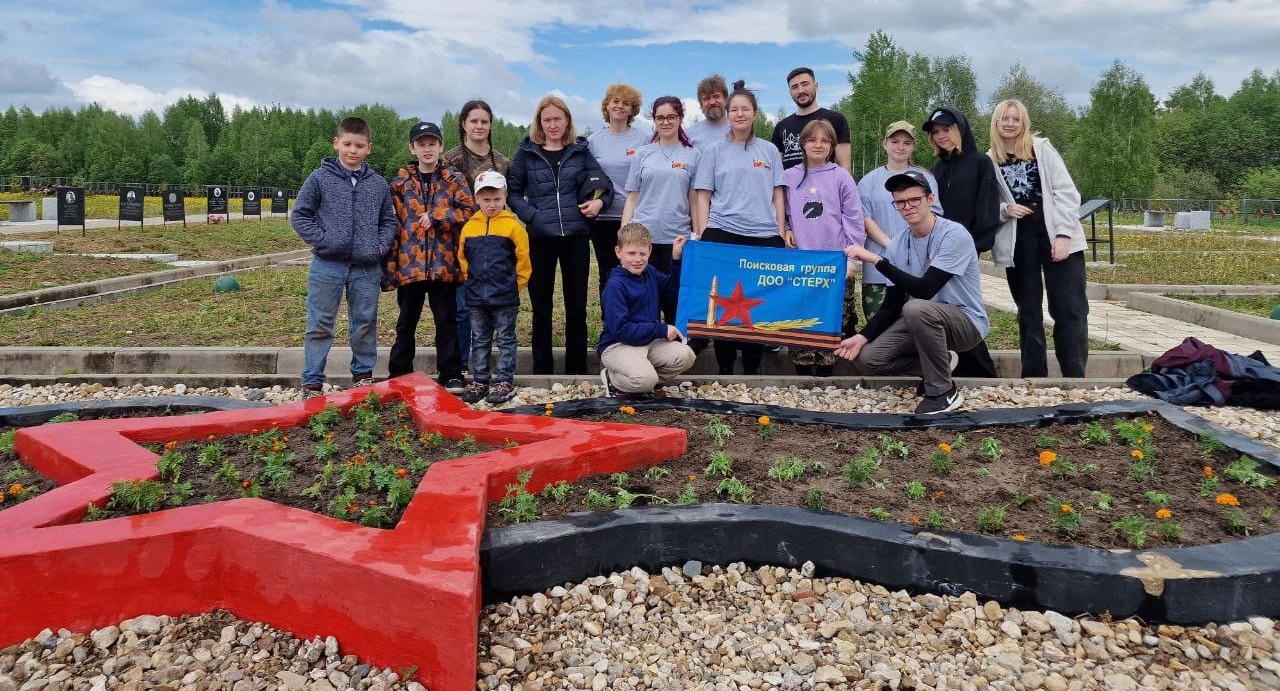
[[1031, 493], [14, 472], [362, 465]]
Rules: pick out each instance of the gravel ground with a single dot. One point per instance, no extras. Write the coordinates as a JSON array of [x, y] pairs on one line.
[[693, 628], [773, 628]]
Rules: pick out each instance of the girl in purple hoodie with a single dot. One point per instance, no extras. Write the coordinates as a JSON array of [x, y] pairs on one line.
[[824, 212]]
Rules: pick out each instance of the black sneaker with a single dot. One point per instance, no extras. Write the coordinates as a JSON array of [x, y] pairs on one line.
[[473, 392], [453, 385], [312, 390], [932, 405], [501, 392], [358, 380]]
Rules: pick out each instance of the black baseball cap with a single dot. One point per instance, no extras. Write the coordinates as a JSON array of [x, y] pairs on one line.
[[425, 129], [939, 117], [909, 178]]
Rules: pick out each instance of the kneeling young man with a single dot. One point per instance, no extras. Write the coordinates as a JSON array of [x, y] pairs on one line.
[[639, 353], [934, 305]]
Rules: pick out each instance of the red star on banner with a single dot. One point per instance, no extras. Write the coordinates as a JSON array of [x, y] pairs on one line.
[[401, 597], [736, 306]]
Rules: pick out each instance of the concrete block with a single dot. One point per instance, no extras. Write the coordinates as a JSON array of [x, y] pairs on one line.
[[21, 211], [160, 257], [55, 361], [49, 208], [179, 360], [37, 246], [1154, 219]]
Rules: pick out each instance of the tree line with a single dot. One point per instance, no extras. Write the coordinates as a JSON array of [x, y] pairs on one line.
[[1197, 143]]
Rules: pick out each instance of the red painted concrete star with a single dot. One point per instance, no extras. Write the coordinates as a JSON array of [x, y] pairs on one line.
[[736, 306], [400, 597]]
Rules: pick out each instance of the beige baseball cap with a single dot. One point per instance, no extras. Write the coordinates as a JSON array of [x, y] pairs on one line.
[[900, 126]]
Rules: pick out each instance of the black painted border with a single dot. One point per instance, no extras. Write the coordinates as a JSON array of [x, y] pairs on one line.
[[30, 416], [1237, 579]]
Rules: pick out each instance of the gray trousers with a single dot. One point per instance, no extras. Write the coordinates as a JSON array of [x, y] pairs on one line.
[[917, 344]]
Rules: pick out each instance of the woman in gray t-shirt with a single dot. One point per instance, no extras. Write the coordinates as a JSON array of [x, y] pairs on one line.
[[660, 187], [615, 148], [739, 199]]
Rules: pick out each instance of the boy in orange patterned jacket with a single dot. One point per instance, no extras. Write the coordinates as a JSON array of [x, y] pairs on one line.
[[432, 202]]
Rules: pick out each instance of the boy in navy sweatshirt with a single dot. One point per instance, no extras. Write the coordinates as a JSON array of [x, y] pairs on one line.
[[344, 212], [639, 353]]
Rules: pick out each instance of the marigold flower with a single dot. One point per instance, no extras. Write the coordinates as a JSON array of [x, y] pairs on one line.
[[1020, 537], [549, 412], [1146, 427], [1, 497], [1048, 457], [627, 410], [401, 472], [284, 438], [913, 519], [1066, 508], [253, 431], [246, 484], [1137, 453], [328, 436], [549, 406], [1208, 471], [210, 437], [1164, 514], [1142, 442], [764, 421], [389, 433], [170, 446], [353, 508], [693, 478], [15, 488], [944, 447], [939, 495], [373, 502], [1226, 499]]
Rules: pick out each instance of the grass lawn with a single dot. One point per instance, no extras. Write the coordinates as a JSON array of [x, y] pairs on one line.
[[270, 311], [1190, 259], [23, 271], [196, 241], [1253, 305]]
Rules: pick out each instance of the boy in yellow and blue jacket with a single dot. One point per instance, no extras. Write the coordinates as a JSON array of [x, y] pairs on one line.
[[494, 252]]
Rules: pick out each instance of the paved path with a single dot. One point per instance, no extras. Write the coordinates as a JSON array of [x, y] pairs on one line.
[[1138, 332]]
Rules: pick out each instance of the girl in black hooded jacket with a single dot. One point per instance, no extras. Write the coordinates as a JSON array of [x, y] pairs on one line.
[[969, 196]]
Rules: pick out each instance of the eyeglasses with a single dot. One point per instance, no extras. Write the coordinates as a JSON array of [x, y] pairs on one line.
[[909, 202], [666, 118]]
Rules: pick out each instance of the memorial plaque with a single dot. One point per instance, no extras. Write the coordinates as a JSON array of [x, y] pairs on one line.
[[279, 201], [174, 202], [131, 203], [252, 203], [217, 195], [71, 206]]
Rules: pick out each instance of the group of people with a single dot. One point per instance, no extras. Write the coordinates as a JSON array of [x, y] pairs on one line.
[[465, 230]]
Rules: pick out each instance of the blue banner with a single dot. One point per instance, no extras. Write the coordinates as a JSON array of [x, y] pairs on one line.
[[761, 294]]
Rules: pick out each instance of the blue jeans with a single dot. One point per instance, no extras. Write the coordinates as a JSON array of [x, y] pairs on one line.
[[326, 281], [487, 325], [464, 328]]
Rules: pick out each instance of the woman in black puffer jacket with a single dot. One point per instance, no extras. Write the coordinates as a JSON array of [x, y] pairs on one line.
[[969, 196], [543, 185]]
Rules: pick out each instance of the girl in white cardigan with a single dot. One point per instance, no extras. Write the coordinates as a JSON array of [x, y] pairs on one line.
[[1040, 242]]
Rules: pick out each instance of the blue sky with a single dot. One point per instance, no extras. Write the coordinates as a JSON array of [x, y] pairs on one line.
[[423, 57]]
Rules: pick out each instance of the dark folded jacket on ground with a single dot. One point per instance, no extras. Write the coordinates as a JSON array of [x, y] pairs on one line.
[[1196, 373]]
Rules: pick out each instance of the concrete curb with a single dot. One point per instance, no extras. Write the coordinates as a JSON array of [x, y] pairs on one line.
[[64, 297], [287, 362], [1257, 328]]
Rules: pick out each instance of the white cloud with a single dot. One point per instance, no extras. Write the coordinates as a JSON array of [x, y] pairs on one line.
[[134, 99]]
